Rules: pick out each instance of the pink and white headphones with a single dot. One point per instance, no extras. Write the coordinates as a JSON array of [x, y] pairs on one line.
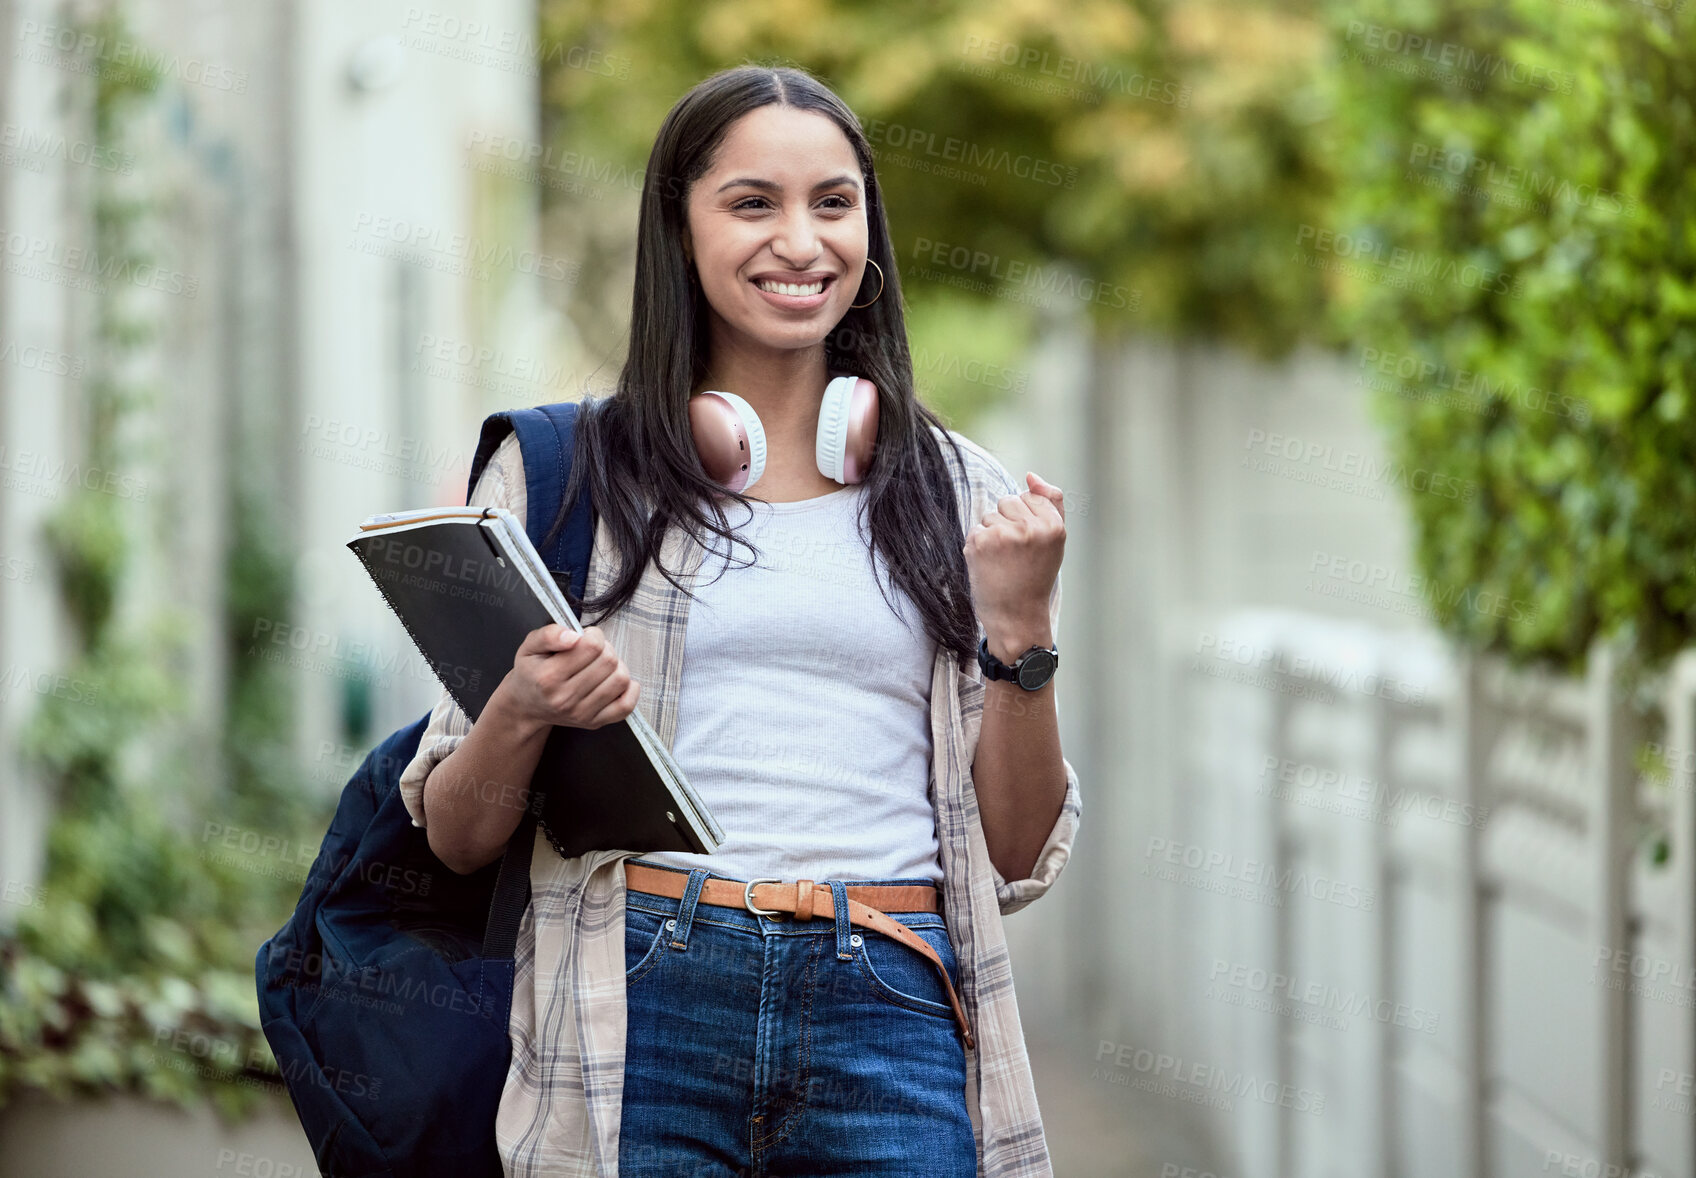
[[732, 442]]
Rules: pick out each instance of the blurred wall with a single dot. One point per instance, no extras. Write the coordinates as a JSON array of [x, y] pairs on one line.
[[1171, 524], [1242, 618], [355, 272], [35, 418], [420, 286]]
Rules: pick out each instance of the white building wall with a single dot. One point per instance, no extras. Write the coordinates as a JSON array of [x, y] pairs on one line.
[[37, 414], [390, 229]]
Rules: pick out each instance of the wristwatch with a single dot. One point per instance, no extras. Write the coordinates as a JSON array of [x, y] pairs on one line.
[[1031, 670]]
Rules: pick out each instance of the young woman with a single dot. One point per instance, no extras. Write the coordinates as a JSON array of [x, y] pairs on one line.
[[828, 993]]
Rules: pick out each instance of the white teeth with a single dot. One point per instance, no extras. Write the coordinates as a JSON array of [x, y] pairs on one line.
[[790, 288]]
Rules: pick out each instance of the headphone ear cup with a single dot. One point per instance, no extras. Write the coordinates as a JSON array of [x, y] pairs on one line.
[[729, 438], [847, 430]]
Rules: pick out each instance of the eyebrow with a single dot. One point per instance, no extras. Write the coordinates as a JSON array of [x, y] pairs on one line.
[[774, 186]]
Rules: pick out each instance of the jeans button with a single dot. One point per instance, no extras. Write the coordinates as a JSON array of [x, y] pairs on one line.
[[853, 938]]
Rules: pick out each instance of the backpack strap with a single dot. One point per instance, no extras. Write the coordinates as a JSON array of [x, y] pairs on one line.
[[547, 442]]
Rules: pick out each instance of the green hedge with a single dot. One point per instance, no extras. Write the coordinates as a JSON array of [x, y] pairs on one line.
[[1511, 254]]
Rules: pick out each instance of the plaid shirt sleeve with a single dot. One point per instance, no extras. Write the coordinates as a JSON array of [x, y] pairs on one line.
[[500, 485], [1013, 895]]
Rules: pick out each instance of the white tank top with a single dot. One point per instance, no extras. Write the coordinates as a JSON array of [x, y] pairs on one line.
[[804, 711]]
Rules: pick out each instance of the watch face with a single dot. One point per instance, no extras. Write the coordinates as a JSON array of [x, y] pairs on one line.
[[1036, 669]]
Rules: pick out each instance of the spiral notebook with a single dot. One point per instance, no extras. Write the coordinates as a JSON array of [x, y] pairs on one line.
[[469, 586]]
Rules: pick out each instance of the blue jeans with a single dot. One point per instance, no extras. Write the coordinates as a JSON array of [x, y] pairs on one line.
[[770, 1046]]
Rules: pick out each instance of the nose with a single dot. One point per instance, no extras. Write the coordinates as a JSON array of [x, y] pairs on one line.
[[796, 241]]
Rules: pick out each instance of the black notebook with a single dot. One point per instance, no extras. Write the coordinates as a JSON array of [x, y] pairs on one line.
[[469, 586]]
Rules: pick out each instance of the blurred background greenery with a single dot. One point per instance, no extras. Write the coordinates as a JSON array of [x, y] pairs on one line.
[[1267, 175], [1542, 180]]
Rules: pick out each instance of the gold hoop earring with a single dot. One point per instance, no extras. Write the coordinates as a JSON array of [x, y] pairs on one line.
[[879, 293]]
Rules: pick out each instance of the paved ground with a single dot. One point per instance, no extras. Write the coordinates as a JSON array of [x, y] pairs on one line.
[[1098, 1131], [1094, 1131]]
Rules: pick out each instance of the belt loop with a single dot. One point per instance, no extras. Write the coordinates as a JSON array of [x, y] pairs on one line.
[[839, 902], [686, 908]]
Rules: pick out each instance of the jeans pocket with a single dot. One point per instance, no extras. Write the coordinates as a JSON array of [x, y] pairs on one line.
[[903, 976], [645, 935]]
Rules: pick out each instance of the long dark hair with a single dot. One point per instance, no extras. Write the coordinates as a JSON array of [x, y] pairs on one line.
[[636, 447]]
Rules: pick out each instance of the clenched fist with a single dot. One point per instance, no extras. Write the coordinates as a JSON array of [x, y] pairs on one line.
[[1013, 555]]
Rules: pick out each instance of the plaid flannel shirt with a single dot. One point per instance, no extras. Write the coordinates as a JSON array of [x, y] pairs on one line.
[[560, 1108]]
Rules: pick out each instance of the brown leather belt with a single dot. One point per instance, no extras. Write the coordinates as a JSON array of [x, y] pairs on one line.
[[869, 906]]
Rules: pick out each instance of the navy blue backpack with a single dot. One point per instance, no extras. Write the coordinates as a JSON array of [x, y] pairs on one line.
[[385, 997]]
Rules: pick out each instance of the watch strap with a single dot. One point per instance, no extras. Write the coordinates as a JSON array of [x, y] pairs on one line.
[[994, 668]]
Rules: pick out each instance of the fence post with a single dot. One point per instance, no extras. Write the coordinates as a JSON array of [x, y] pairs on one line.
[[1612, 810], [1679, 895], [1477, 732]]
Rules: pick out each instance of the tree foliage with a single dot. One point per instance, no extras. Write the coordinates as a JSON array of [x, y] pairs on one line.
[[1141, 164]]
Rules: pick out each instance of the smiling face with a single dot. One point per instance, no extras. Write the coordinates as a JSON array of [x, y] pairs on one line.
[[777, 229]]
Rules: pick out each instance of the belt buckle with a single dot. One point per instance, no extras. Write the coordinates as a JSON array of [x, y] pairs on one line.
[[748, 896]]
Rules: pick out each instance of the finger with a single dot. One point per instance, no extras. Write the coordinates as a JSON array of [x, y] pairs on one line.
[[1047, 490], [1044, 509], [549, 639], [564, 668], [1016, 508], [607, 691], [566, 686], [587, 666], [619, 708]]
